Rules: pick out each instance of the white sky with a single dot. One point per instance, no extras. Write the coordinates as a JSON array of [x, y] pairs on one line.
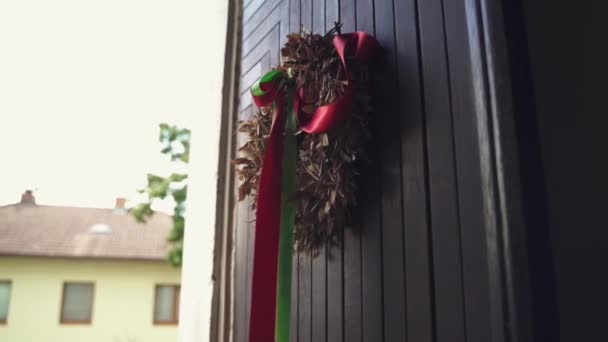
[[83, 87]]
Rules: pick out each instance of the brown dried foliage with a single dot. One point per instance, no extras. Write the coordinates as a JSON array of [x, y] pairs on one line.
[[327, 162]]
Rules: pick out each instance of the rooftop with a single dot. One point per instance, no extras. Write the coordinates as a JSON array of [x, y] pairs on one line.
[[53, 231]]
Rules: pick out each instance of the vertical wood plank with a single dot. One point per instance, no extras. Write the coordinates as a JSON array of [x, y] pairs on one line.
[[250, 243], [371, 230], [319, 262], [449, 301], [352, 284], [295, 324], [318, 16], [371, 264], [319, 297], [385, 102], [240, 293], [418, 293], [347, 15], [469, 178], [305, 262], [364, 15], [332, 13], [244, 255], [294, 16], [294, 26], [335, 316], [305, 298], [371, 315], [306, 14], [284, 25], [352, 240]]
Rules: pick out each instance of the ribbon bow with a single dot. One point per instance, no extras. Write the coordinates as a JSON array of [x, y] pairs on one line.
[[269, 318]]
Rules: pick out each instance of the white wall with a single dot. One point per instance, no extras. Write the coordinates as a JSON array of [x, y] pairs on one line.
[[197, 285]]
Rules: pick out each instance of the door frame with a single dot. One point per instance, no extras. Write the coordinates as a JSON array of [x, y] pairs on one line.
[[223, 264], [504, 221]]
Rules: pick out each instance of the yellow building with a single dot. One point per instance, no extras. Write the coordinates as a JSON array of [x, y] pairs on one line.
[[82, 274]]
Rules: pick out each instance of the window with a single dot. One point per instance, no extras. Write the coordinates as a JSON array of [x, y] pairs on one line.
[[166, 304], [5, 300], [77, 303]]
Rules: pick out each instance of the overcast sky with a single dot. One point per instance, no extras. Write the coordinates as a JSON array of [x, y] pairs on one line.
[[83, 87]]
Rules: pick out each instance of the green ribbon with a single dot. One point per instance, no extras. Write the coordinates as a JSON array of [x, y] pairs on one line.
[[288, 213], [268, 78]]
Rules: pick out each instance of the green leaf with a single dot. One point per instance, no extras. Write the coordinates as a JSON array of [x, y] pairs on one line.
[[159, 187], [185, 157], [166, 150], [175, 255], [179, 195], [179, 209], [142, 212], [177, 233], [178, 177], [154, 178]]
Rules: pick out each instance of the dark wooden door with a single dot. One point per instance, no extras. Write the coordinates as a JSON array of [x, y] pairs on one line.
[[424, 260]]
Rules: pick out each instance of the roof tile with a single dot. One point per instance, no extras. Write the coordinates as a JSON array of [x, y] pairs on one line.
[[38, 230]]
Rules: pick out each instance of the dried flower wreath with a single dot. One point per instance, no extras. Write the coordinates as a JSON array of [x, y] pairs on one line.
[[299, 166], [328, 162]]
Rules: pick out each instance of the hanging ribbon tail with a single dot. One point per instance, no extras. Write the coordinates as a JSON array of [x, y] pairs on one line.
[[360, 46], [288, 215], [268, 216]]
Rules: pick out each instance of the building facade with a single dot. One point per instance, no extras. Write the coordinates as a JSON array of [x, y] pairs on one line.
[[80, 274], [122, 306]]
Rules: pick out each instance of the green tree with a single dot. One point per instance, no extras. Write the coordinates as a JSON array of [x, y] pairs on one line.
[[176, 144]]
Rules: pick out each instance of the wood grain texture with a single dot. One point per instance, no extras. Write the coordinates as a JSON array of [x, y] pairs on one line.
[[305, 298], [319, 263], [353, 326], [335, 260], [386, 101], [422, 259], [443, 197], [372, 314], [414, 179]]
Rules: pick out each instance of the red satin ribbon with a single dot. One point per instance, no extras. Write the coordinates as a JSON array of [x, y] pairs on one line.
[[363, 46], [262, 319], [264, 282]]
